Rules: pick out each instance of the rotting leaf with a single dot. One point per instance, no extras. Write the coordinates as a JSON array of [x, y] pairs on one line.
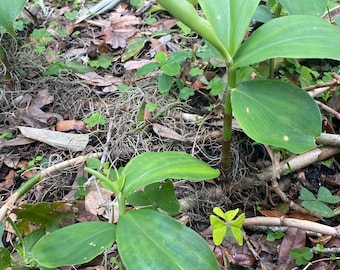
[[294, 238]]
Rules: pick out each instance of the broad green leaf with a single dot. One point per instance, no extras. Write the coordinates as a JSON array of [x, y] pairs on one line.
[[147, 239], [295, 36], [93, 163], [319, 208], [230, 20], [152, 167], [74, 244], [262, 14], [277, 113], [133, 48], [305, 7], [306, 195], [10, 10], [186, 13], [32, 238], [326, 196], [186, 92]]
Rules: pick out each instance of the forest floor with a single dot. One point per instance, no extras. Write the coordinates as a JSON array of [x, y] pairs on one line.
[[44, 92]]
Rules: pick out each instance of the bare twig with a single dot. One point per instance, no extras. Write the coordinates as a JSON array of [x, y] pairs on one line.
[[328, 109]]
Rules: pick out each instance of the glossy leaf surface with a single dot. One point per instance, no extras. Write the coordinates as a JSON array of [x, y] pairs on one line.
[[305, 7], [277, 113], [74, 244], [294, 36], [10, 10], [230, 20], [147, 239], [152, 167]]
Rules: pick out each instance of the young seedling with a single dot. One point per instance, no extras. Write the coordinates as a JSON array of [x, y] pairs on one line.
[[158, 240]]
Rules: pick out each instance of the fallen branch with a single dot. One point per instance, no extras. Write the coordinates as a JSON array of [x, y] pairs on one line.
[[300, 161], [292, 222], [10, 202]]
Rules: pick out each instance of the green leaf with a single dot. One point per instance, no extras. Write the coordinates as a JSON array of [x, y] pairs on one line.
[[230, 20], [301, 255], [295, 36], [139, 198], [10, 10], [93, 163], [239, 221], [305, 7], [319, 208], [55, 68], [74, 244], [171, 68], [31, 239], [231, 214], [166, 199], [133, 48], [237, 234], [219, 212], [147, 68], [219, 229], [186, 92], [277, 113], [306, 195], [186, 13], [164, 83], [326, 196], [152, 167], [262, 14], [195, 71], [147, 239], [160, 57], [5, 258], [46, 214]]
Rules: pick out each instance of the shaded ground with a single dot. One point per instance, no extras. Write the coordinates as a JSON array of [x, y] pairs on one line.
[[193, 126]]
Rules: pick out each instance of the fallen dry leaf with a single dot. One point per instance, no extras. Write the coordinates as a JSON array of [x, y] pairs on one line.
[[67, 125], [294, 238], [66, 141], [94, 79], [166, 132], [9, 180], [96, 201]]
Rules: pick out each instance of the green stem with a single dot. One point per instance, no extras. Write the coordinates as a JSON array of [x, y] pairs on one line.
[[112, 185], [227, 123], [277, 14], [8, 76]]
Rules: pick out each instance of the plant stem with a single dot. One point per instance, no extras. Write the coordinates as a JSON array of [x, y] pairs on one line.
[[227, 122]]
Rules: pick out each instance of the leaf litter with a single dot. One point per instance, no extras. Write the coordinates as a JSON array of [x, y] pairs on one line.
[[59, 104]]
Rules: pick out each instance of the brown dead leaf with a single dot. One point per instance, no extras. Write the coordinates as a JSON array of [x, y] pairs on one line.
[[95, 200], [166, 132], [93, 78], [9, 180], [272, 213], [29, 109], [294, 238], [136, 64], [67, 125]]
